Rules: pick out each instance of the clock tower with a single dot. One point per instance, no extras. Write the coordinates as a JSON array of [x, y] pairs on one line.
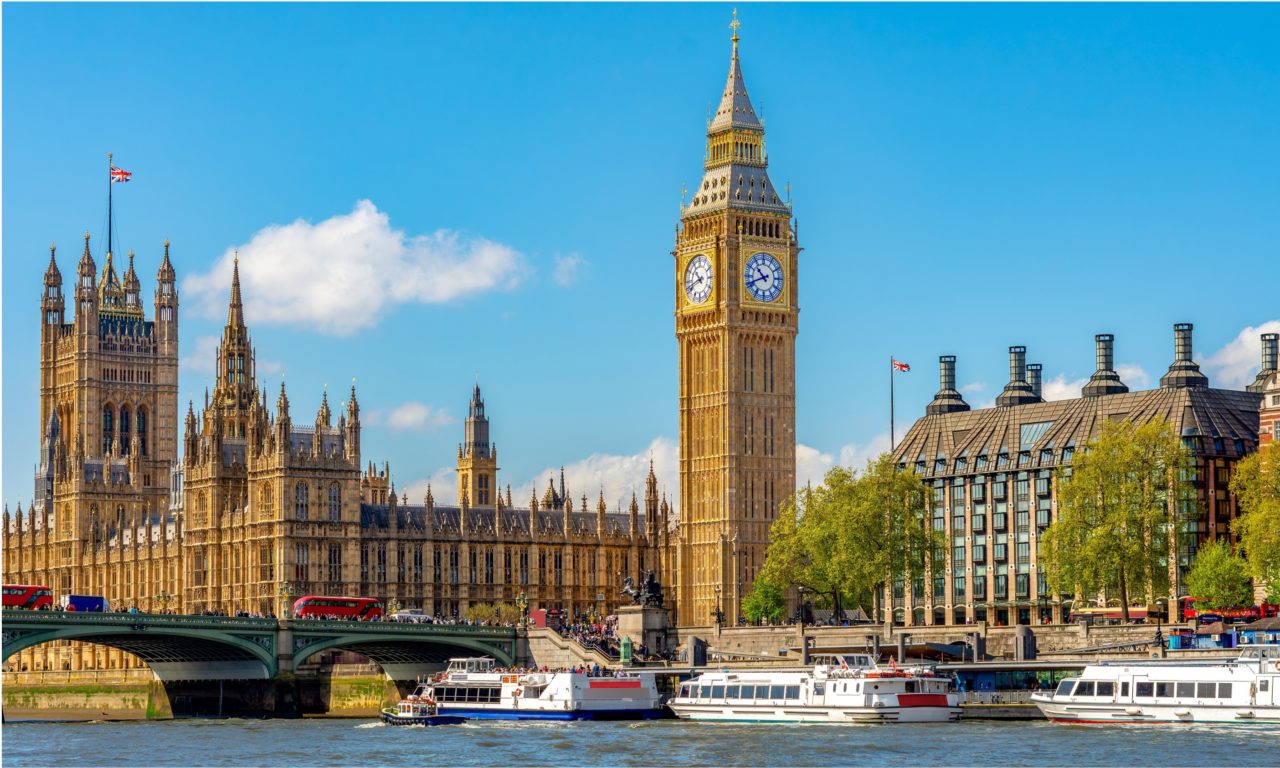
[[736, 297]]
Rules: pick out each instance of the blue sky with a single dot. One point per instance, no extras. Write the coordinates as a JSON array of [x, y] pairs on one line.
[[424, 195]]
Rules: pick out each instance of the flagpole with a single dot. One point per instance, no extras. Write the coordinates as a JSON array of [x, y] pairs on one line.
[[109, 213], [891, 433]]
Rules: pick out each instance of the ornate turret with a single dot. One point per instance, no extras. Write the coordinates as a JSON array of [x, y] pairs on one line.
[[87, 289], [51, 304], [324, 416], [132, 288], [352, 426], [166, 303], [601, 509], [633, 520]]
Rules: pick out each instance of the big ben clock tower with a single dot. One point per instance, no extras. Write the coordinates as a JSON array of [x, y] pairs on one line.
[[736, 296]]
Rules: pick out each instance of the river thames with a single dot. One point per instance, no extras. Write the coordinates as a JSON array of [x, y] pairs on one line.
[[666, 742]]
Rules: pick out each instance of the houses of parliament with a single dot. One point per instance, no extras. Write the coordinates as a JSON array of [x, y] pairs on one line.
[[236, 504]]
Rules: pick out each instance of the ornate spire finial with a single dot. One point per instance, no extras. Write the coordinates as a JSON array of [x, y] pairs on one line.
[[734, 26]]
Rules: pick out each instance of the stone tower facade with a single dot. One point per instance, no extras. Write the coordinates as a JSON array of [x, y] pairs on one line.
[[477, 459], [100, 520], [736, 301]]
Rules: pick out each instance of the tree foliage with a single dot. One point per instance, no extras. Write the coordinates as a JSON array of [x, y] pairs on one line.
[[1121, 507], [504, 612], [764, 601], [1256, 485], [1219, 579], [844, 540]]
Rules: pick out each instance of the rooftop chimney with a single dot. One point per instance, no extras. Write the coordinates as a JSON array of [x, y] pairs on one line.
[[1035, 372], [1184, 372], [1017, 391], [948, 399], [1105, 380], [1270, 358]]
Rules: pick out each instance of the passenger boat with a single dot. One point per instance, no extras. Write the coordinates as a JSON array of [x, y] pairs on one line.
[[1238, 691], [476, 688], [840, 688], [418, 709]]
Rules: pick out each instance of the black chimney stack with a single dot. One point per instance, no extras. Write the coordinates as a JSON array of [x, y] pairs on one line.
[[1270, 358], [1184, 372], [948, 399], [1035, 372], [1017, 391], [1105, 380]]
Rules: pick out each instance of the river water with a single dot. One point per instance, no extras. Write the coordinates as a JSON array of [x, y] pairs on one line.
[[666, 742]]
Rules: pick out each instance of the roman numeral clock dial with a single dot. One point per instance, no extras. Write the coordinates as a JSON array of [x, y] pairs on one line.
[[697, 279], [763, 276]]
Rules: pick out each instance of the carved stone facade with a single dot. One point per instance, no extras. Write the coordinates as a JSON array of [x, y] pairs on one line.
[[260, 509], [737, 310]]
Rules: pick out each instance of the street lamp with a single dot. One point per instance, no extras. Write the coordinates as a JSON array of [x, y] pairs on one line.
[[286, 594], [164, 598], [522, 605], [800, 609], [718, 614]]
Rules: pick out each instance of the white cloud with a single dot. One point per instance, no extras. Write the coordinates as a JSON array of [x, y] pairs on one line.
[[617, 474], [411, 416], [973, 386], [567, 269], [1058, 388], [203, 356], [812, 464], [444, 487], [1236, 364], [342, 274]]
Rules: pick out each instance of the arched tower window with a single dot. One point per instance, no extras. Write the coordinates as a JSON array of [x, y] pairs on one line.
[[108, 427], [202, 510], [142, 430], [124, 429], [264, 501], [335, 502], [300, 501]]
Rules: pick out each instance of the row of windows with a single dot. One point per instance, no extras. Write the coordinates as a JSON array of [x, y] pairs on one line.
[[1106, 689], [126, 429], [486, 695], [741, 692]]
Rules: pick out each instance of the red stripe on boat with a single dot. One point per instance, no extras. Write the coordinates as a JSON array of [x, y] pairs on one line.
[[615, 683], [922, 700]]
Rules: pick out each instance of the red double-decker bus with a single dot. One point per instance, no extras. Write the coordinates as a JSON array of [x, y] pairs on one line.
[[1239, 613], [324, 607], [28, 597]]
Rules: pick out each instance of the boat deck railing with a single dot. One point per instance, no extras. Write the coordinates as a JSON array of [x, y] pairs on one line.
[[997, 697]]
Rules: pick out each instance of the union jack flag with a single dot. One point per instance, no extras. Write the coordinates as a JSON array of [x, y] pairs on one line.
[[898, 365], [120, 174]]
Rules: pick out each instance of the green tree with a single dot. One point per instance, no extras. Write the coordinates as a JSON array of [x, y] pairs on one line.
[[764, 601], [504, 612], [1121, 507], [1256, 485], [1219, 579], [846, 539]]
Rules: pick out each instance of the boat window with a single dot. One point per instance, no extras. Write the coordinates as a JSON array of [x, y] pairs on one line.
[[705, 692], [1106, 688], [911, 686], [1124, 690], [1144, 690], [1064, 688], [776, 692], [733, 692], [793, 692], [1084, 688], [1224, 690], [1264, 684], [1164, 690], [1204, 690], [751, 692], [819, 689], [717, 691], [684, 691], [1186, 690]]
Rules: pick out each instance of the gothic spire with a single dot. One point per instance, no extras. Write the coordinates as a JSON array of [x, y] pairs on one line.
[[52, 276], [235, 312], [735, 109]]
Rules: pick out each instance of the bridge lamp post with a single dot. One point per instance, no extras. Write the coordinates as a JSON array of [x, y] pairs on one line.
[[164, 598], [522, 605], [286, 595]]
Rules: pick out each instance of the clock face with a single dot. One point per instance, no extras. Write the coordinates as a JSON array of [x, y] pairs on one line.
[[697, 279], [763, 275]]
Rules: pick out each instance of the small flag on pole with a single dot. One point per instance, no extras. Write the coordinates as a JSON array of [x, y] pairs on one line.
[[898, 365], [120, 174]]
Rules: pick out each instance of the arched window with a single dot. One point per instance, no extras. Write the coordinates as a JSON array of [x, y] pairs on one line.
[[335, 502], [124, 429], [202, 510], [264, 501], [142, 430], [108, 427], [300, 501]]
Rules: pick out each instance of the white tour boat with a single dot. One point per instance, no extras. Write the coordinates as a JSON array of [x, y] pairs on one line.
[[1239, 691], [476, 688], [842, 688], [418, 709]]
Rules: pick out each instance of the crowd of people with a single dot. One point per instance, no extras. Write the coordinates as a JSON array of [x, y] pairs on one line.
[[599, 635]]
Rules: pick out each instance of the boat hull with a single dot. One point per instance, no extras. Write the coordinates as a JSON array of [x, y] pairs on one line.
[[552, 714], [1079, 713], [801, 714], [391, 717]]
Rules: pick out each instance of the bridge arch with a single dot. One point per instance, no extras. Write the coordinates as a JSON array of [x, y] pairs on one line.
[[174, 647], [397, 648]]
